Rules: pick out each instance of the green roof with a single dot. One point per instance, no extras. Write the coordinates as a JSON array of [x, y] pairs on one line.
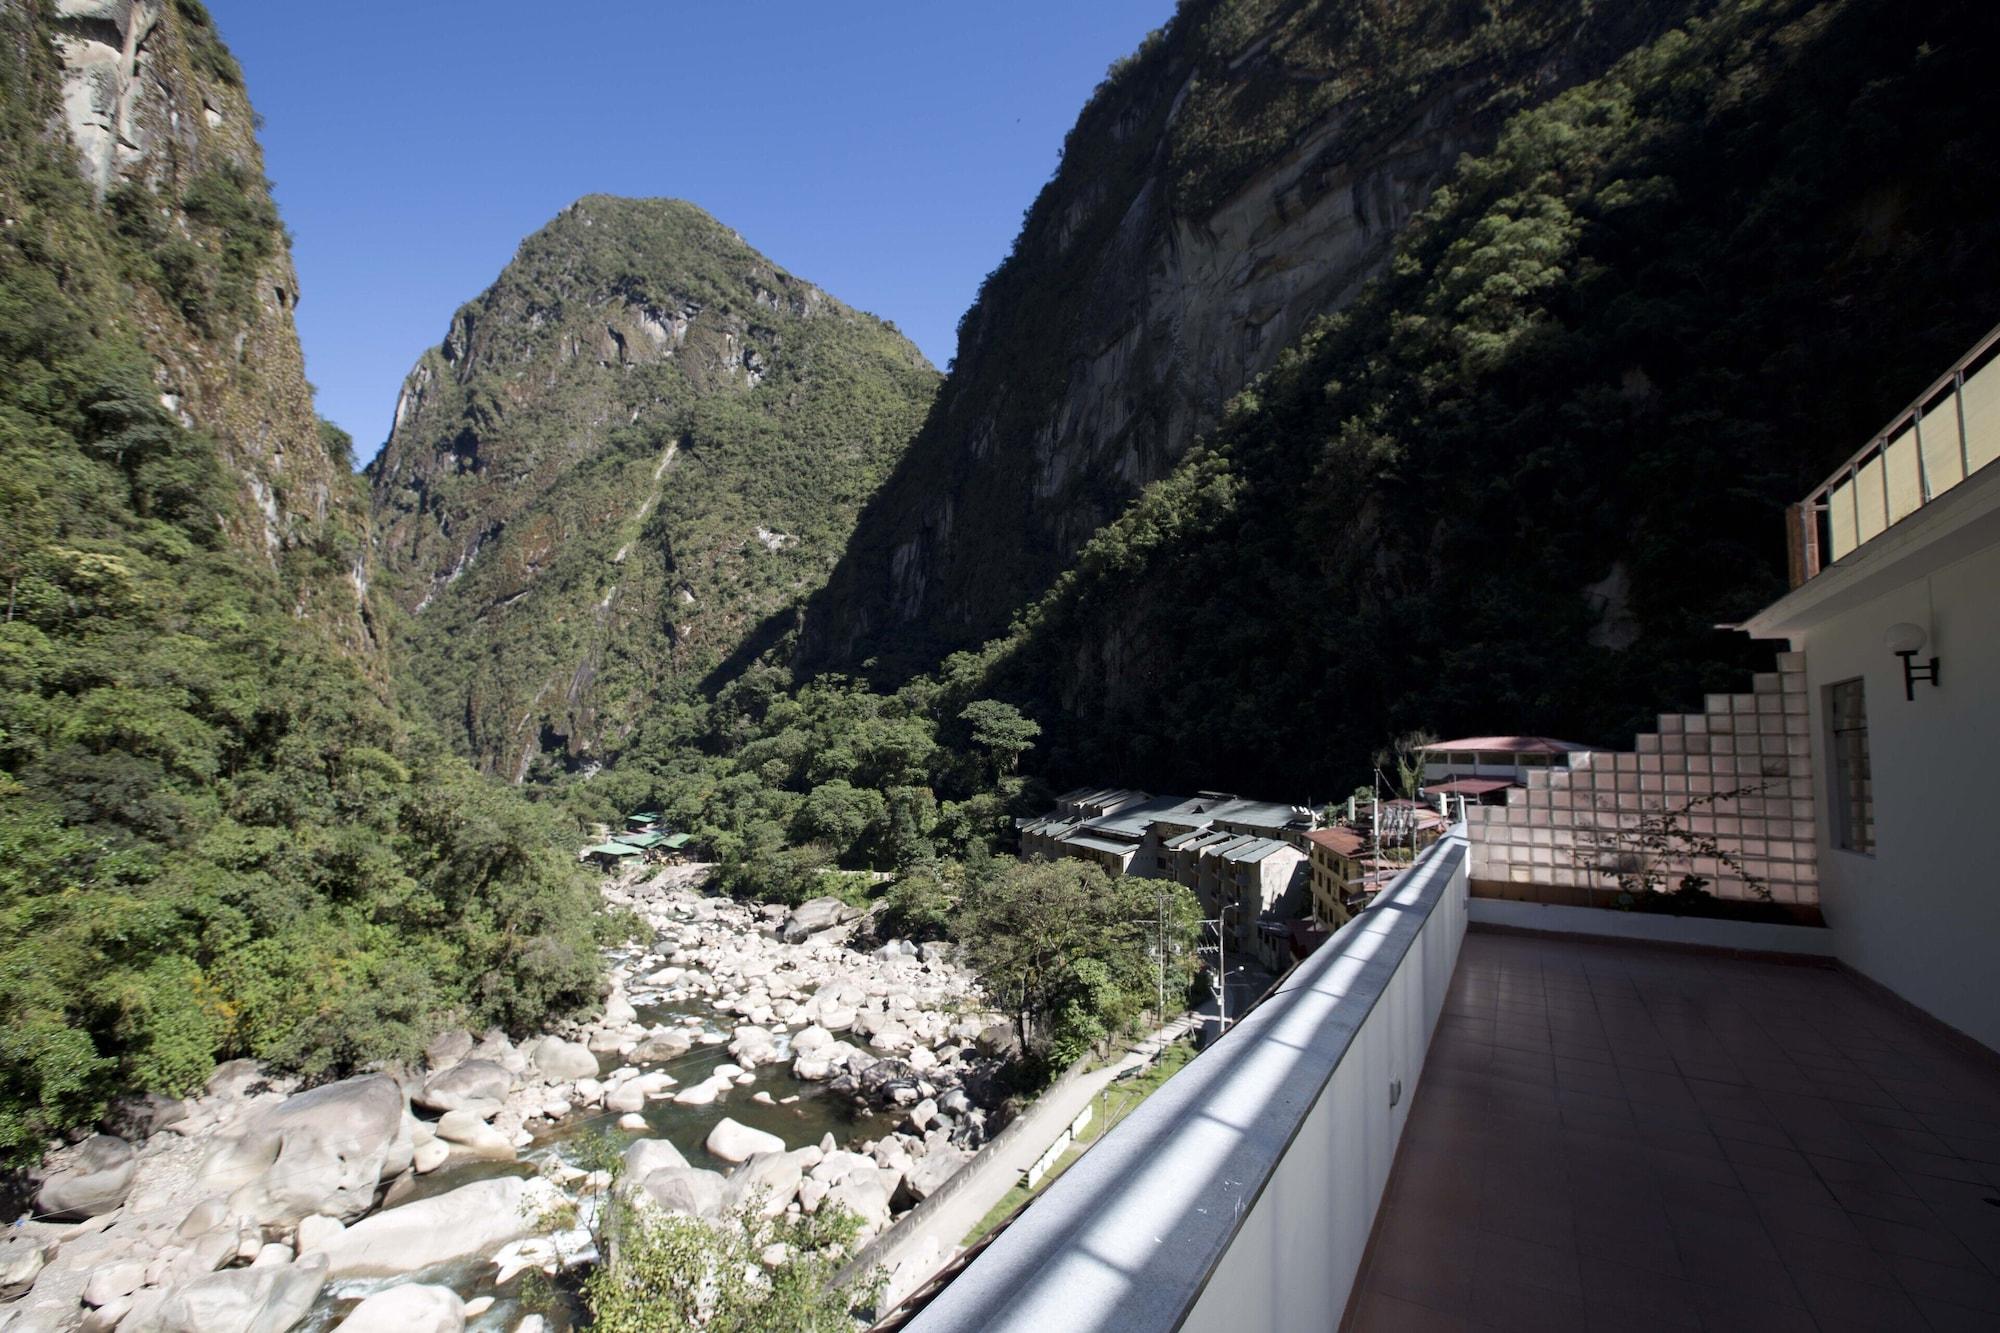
[[639, 839], [612, 849], [644, 817], [677, 841]]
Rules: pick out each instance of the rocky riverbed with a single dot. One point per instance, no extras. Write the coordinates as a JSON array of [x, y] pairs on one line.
[[743, 1054]]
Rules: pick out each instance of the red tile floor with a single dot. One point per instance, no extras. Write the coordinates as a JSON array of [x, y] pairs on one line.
[[1619, 1137]]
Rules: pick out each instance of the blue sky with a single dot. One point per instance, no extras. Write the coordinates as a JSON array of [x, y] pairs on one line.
[[884, 150]]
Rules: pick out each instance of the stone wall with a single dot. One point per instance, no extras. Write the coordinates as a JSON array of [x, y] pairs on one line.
[[1735, 779]]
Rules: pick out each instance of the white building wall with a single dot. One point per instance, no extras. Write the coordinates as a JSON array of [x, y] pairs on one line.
[[1921, 915]]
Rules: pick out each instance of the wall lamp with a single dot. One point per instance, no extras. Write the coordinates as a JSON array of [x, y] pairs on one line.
[[1906, 641]]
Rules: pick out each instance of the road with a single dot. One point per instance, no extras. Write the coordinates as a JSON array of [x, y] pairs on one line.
[[1046, 1119]]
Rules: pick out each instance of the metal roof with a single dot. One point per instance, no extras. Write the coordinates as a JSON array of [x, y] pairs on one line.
[[1510, 744], [611, 849], [1099, 844]]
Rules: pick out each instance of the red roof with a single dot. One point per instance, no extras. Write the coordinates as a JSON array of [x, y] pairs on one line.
[[1339, 841], [1468, 786], [1511, 744]]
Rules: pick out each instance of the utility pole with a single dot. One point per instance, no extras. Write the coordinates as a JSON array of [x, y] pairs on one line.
[[1161, 1012]]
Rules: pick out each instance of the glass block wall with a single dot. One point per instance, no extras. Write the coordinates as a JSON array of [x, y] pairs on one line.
[[1724, 794]]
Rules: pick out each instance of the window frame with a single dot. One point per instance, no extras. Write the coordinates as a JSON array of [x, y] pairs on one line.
[[1843, 801]]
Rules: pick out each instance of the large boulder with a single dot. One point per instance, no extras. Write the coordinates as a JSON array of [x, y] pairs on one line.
[[678, 1189], [21, 1262], [414, 1307], [97, 1179], [734, 1142], [767, 1180], [448, 1048], [322, 1151], [931, 1171], [237, 1300], [468, 1131], [471, 1220], [999, 1040], [476, 1085], [662, 1046], [559, 1061], [866, 1194], [812, 916], [646, 1156]]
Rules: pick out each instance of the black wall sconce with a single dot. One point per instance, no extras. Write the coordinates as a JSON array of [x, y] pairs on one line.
[[1906, 641]]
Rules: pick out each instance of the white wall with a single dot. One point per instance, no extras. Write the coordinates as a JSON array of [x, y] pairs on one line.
[[1922, 914], [1292, 1264]]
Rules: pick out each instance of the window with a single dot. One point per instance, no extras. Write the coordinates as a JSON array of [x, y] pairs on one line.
[[1853, 793]]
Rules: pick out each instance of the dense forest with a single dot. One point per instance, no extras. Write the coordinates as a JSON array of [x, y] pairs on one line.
[[1517, 482], [1246, 170], [218, 835]]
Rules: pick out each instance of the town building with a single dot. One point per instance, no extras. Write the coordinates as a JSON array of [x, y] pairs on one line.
[[1126, 831], [1479, 769], [1334, 857], [1245, 860]]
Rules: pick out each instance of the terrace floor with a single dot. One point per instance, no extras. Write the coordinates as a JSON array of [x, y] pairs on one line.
[[1618, 1137]]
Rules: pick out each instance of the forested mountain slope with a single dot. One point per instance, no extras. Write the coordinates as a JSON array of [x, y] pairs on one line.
[[1244, 172], [217, 835], [632, 450], [1515, 484]]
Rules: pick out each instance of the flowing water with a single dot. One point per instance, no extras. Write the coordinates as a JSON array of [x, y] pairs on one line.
[[800, 1113]]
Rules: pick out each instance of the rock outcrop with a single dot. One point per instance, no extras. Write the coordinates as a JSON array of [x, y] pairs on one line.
[[321, 1152], [476, 1219], [1159, 272]]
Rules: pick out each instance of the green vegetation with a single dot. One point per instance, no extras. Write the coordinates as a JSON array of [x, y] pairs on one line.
[[1075, 953], [670, 1272], [1520, 479], [216, 835], [1117, 1101], [698, 432], [1045, 431], [795, 791]]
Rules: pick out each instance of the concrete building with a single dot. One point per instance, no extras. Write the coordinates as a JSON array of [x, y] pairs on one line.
[[1334, 857], [1127, 831]]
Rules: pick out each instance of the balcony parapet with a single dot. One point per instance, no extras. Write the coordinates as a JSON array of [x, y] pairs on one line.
[[1946, 434], [1242, 1193]]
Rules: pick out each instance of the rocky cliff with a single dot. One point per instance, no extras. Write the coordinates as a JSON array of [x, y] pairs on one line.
[[165, 137], [222, 835], [627, 455], [1246, 171], [1517, 481]]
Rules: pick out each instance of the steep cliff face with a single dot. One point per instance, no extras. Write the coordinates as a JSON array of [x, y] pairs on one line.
[[221, 836], [632, 450], [165, 137], [1517, 482], [1246, 171]]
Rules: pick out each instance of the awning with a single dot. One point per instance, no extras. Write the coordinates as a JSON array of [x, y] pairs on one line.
[[676, 842]]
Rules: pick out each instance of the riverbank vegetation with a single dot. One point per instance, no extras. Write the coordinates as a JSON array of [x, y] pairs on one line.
[[218, 835]]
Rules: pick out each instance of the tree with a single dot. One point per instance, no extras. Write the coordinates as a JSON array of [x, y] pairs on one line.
[[1074, 953], [999, 729], [841, 815], [1403, 761]]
